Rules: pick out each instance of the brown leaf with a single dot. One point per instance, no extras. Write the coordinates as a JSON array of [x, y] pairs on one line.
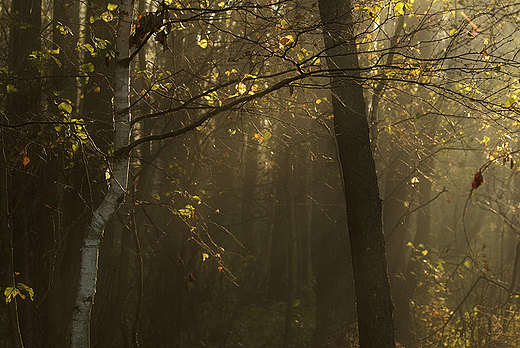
[[25, 158]]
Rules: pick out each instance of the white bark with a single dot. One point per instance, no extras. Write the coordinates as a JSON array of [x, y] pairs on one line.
[[119, 178], [82, 39]]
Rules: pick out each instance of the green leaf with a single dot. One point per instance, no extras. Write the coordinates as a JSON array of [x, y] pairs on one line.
[[83, 79], [467, 264], [11, 89], [87, 67], [296, 303], [111, 7], [65, 107], [267, 135], [285, 24]]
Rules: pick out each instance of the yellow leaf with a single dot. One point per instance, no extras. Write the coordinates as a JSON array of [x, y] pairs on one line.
[[241, 88], [205, 256], [107, 16], [399, 7], [203, 43], [285, 41], [111, 7]]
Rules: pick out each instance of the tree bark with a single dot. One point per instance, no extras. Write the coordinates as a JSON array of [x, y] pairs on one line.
[[373, 296], [118, 183], [278, 283]]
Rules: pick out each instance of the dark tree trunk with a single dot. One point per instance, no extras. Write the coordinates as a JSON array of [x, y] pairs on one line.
[[396, 233], [28, 193], [278, 267], [331, 261], [373, 295]]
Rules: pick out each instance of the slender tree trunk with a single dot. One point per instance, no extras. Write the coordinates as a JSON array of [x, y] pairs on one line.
[[396, 233], [82, 39], [278, 268], [118, 183], [6, 253], [287, 337], [332, 264], [23, 184], [374, 299]]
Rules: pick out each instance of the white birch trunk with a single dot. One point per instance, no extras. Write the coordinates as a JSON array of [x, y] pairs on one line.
[[82, 39], [119, 177]]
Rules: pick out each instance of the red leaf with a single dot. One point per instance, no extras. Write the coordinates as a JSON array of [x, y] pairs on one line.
[[479, 179]]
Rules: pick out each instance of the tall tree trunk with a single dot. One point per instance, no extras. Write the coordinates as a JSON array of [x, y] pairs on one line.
[[6, 252], [396, 233], [278, 267], [374, 299], [118, 183], [335, 294], [24, 185]]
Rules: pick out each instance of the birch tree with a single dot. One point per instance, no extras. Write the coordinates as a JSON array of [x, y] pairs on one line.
[[118, 171]]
